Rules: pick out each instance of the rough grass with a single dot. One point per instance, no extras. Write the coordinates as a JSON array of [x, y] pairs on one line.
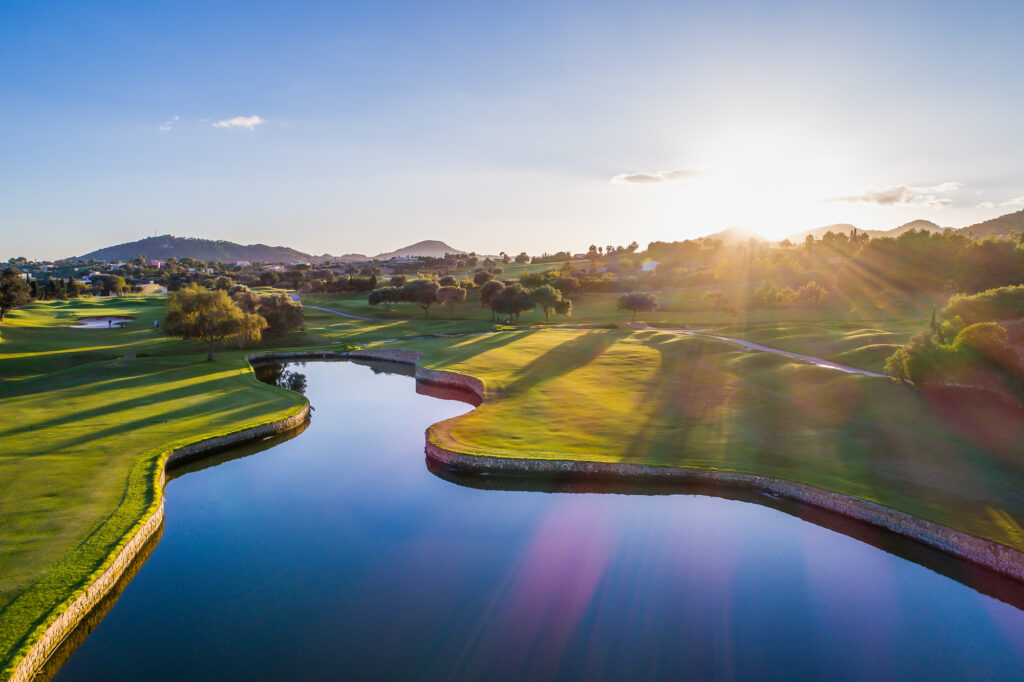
[[84, 430], [650, 397]]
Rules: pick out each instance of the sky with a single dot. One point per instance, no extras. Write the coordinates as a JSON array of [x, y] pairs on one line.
[[336, 128]]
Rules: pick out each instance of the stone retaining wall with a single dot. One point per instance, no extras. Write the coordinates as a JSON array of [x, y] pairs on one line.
[[992, 555], [94, 593]]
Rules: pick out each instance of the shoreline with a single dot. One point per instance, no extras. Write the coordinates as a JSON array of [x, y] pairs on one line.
[[83, 603], [991, 555]]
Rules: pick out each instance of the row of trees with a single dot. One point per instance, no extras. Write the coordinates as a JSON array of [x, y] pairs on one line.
[[212, 316]]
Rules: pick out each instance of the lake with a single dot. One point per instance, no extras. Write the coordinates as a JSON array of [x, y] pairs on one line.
[[339, 554]]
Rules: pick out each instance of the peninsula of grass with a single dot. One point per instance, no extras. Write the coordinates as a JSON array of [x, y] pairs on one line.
[[954, 457]]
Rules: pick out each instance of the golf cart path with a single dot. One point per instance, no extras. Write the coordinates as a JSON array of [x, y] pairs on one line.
[[295, 297], [750, 345]]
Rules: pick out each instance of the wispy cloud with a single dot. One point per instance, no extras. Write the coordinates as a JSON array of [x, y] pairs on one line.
[[904, 195], [249, 122], [168, 124], [675, 175], [1016, 201]]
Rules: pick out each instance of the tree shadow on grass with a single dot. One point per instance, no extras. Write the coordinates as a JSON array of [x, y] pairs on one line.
[[562, 359]]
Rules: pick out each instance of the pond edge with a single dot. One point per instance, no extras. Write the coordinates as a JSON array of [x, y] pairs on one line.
[[992, 555], [91, 595]]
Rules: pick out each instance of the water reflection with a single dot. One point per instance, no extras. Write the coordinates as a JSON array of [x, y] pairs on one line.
[[338, 555], [281, 374]]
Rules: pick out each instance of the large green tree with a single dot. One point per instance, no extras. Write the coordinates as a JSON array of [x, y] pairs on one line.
[[449, 296], [386, 295], [210, 316], [422, 292], [14, 291], [548, 298], [512, 300], [638, 301]]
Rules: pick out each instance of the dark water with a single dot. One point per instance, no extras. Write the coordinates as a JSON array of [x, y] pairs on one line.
[[339, 555]]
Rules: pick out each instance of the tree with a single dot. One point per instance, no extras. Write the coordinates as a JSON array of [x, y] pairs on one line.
[[14, 291], [564, 307], [522, 258], [512, 300], [210, 316], [223, 283], [569, 286], [547, 297], [449, 296], [386, 295], [448, 281], [638, 301], [268, 278], [281, 313], [398, 281], [109, 284], [422, 292], [488, 290], [481, 277]]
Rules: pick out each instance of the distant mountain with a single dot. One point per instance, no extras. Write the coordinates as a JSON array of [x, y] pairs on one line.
[[846, 228], [167, 246], [430, 248], [1000, 226], [735, 235]]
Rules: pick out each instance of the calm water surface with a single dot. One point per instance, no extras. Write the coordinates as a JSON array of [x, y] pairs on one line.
[[339, 555]]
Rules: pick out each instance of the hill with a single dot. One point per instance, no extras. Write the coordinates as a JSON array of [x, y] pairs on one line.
[[1000, 226], [735, 235], [430, 248], [846, 228], [167, 246]]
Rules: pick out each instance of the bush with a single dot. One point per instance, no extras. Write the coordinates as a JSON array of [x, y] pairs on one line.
[[1003, 303]]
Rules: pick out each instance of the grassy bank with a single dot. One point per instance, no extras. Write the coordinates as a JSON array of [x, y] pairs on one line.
[[88, 416], [953, 457], [90, 413]]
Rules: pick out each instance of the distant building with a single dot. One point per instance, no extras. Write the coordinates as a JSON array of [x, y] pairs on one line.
[[154, 263], [649, 266], [580, 256], [243, 263]]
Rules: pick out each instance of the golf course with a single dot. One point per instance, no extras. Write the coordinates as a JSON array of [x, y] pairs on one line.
[[92, 413]]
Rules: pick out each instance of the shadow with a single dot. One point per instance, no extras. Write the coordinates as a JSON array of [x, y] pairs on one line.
[[976, 577], [562, 359]]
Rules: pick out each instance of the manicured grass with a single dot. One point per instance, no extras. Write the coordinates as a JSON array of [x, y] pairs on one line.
[[652, 397], [84, 430], [845, 342], [89, 414]]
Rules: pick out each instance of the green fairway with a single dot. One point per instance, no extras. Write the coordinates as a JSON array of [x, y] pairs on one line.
[[653, 397], [91, 412]]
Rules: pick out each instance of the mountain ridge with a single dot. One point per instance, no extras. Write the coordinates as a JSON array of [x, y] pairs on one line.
[[168, 246]]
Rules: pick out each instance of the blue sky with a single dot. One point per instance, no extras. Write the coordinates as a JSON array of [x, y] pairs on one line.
[[523, 126]]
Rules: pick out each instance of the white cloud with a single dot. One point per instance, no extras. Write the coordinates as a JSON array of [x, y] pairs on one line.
[[1015, 202], [674, 175], [249, 122], [167, 125], [904, 195]]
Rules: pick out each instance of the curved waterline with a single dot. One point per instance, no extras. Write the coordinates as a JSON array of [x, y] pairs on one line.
[[467, 389]]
